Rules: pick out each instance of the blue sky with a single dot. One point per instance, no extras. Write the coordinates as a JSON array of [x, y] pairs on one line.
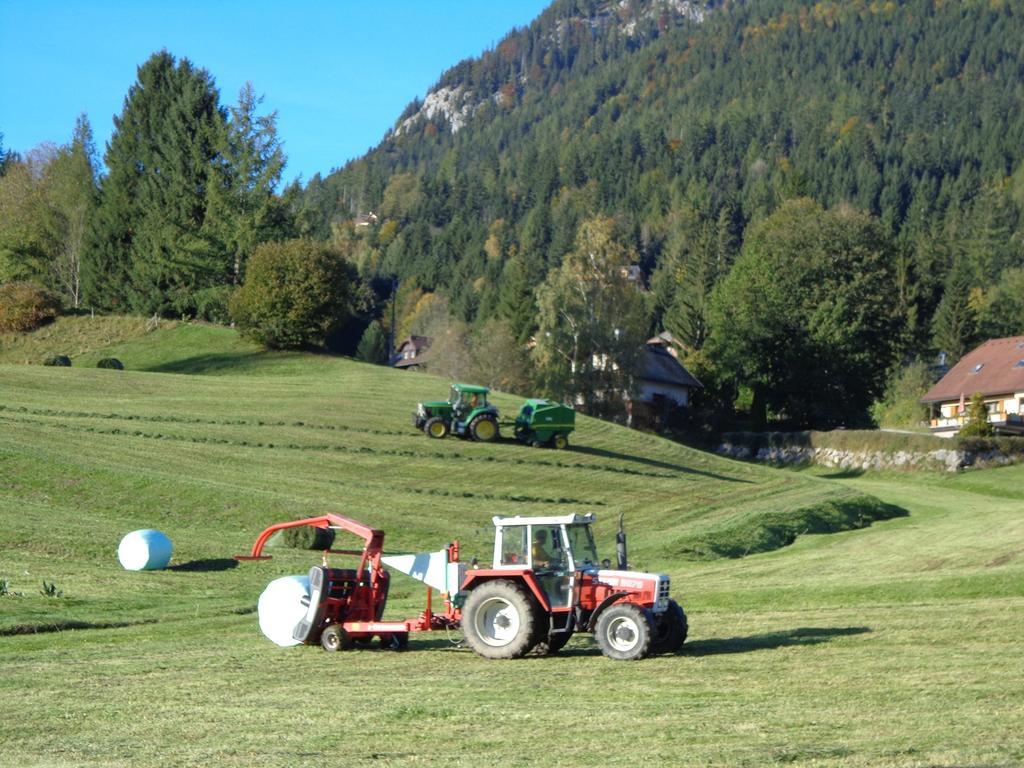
[[337, 73]]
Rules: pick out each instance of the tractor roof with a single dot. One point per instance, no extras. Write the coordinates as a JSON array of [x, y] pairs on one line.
[[472, 389], [574, 518]]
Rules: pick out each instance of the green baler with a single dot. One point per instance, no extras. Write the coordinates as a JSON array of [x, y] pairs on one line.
[[543, 422]]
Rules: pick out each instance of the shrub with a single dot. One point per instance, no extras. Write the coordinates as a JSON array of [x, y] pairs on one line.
[[112, 363], [62, 361], [26, 306], [901, 404], [1011, 446], [307, 537], [296, 294], [977, 419]]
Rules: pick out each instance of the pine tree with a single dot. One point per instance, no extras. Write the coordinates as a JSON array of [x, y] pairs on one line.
[[373, 346], [6, 156], [516, 304], [242, 208], [150, 249], [955, 325]]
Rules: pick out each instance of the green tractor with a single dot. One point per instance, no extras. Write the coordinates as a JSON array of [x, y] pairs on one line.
[[543, 422], [466, 413]]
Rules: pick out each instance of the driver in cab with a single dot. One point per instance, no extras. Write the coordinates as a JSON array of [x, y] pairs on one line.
[[542, 556]]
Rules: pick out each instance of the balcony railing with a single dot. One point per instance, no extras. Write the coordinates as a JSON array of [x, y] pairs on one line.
[[955, 422]]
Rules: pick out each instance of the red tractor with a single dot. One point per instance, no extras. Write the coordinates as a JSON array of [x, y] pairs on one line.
[[544, 584]]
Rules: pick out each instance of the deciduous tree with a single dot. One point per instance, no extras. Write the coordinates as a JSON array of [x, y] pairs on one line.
[[807, 315], [45, 205], [591, 321], [296, 294]]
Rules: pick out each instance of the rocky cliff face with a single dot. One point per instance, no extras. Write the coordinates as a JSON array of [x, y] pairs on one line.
[[455, 105]]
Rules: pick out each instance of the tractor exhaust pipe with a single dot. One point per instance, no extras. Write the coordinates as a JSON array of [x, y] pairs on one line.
[[620, 546]]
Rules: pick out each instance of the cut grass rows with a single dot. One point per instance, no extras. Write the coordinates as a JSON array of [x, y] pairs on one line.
[[891, 645], [337, 447]]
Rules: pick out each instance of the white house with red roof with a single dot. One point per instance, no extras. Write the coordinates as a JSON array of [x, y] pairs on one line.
[[996, 370]]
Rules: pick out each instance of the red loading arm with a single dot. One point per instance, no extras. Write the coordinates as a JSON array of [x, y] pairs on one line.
[[373, 537]]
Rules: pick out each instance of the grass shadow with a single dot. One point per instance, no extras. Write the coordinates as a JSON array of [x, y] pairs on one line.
[[844, 474], [770, 640], [205, 566], [605, 454], [237, 362], [45, 627]]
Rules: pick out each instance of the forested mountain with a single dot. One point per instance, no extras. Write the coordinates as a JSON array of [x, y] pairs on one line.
[[688, 122], [812, 198]]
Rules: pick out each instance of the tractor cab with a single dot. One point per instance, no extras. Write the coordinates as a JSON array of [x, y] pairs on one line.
[[465, 398], [553, 548], [545, 543]]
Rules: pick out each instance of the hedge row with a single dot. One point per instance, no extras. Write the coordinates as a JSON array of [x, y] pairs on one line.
[[774, 530]]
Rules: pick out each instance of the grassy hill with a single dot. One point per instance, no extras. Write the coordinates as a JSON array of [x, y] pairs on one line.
[[890, 645]]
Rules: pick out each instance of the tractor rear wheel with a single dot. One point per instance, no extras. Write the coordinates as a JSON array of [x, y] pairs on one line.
[[484, 428], [499, 620], [624, 632], [670, 629], [560, 441], [436, 427]]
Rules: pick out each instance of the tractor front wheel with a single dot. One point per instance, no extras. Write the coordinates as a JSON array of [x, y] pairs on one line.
[[624, 632], [499, 619], [334, 638], [670, 629], [436, 427], [484, 428]]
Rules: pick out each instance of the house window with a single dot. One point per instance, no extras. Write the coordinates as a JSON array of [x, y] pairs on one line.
[[1020, 363], [977, 368]]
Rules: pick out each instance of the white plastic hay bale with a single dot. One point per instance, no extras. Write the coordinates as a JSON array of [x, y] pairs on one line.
[[144, 550], [281, 607]]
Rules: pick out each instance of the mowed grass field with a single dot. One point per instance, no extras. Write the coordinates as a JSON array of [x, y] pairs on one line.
[[894, 644]]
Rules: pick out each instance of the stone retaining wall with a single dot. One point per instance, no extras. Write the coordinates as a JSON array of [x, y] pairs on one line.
[[949, 459]]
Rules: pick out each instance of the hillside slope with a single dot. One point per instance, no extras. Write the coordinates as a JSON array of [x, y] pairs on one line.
[[892, 646], [215, 459]]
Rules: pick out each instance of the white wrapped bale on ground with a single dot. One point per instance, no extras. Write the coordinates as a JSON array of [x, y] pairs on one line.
[[144, 550], [282, 605]]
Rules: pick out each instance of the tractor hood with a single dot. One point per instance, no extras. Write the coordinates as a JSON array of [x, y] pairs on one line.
[[436, 405], [650, 588]]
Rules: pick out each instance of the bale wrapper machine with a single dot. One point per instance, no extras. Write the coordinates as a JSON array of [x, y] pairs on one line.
[[544, 584], [346, 605]]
